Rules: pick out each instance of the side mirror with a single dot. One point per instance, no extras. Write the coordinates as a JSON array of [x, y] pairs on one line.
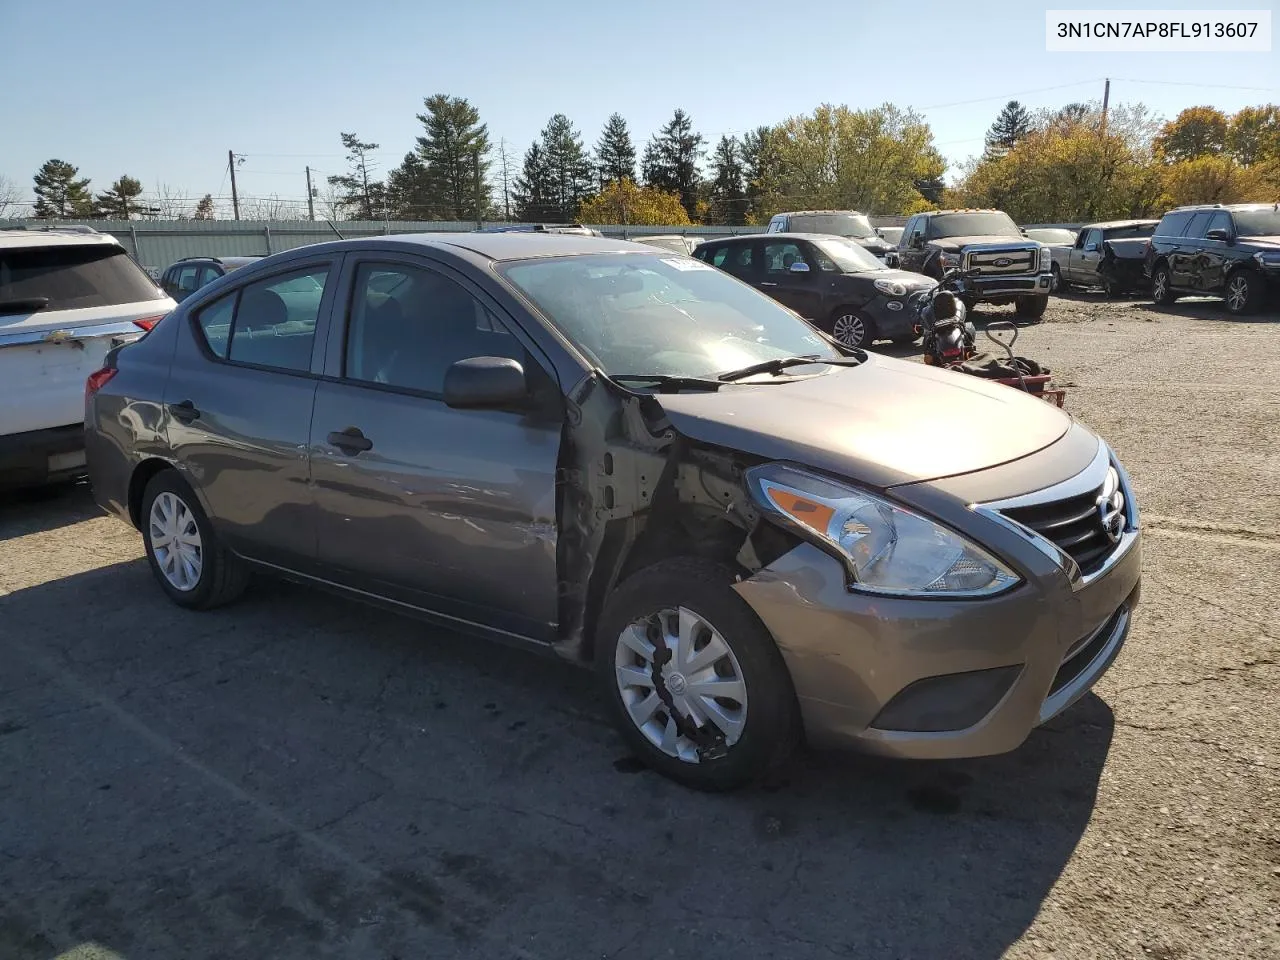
[[1090, 248], [480, 382], [916, 242], [799, 267], [1219, 234]]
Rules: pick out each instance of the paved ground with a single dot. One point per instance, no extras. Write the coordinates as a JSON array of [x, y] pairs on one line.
[[299, 777]]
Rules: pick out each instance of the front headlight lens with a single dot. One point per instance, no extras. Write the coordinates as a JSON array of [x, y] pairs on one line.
[[951, 259], [894, 288], [1046, 258], [1270, 258], [886, 548]]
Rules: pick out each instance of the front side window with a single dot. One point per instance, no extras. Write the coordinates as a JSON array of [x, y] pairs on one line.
[[271, 323], [407, 325], [779, 257], [641, 314], [1220, 221], [838, 255]]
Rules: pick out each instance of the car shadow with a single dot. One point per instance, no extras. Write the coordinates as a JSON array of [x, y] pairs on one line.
[[38, 509], [1205, 308], [298, 774]]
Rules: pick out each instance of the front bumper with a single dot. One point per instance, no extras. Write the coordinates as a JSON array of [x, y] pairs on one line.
[[1004, 289], [936, 678], [38, 457], [894, 316]]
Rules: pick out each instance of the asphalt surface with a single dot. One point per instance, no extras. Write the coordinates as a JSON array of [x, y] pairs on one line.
[[298, 776]]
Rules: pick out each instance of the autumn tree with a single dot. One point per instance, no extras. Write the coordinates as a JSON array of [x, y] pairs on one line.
[[1213, 179], [621, 201], [670, 162], [1195, 132], [204, 208], [60, 194], [615, 153], [1011, 125], [359, 193], [120, 202], [727, 189], [1253, 134]]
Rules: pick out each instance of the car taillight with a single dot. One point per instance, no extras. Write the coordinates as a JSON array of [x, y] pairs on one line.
[[146, 323], [96, 380]]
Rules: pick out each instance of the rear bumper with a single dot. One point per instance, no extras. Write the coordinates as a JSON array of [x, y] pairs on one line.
[[38, 457]]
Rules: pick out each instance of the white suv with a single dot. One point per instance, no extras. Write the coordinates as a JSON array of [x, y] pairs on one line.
[[67, 296]]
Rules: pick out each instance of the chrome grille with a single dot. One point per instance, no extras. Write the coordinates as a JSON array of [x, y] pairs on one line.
[[1075, 524], [1000, 263]]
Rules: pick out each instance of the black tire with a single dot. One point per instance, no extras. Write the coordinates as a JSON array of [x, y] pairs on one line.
[[223, 576], [1162, 287], [840, 315], [1244, 292], [1059, 285], [772, 726], [1031, 308]]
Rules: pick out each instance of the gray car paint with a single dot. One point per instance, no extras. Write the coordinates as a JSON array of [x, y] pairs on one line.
[[474, 497]]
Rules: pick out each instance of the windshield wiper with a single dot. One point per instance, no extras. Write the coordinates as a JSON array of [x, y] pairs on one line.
[[23, 304], [666, 383], [778, 364]]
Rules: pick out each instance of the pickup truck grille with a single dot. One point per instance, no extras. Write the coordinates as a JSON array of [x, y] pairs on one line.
[[1000, 263]]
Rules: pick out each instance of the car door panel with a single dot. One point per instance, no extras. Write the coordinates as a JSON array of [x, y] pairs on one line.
[[1184, 262], [1212, 262], [801, 292], [450, 510]]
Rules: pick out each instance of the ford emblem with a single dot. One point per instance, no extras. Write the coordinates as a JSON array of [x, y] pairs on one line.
[[1002, 262]]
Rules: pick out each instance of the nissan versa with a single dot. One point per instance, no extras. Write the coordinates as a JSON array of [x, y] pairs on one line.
[[635, 460]]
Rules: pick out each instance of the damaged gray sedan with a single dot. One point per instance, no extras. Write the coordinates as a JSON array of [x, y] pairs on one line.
[[634, 460]]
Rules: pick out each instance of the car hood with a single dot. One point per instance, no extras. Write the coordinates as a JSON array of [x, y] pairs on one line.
[[871, 243], [882, 423], [1270, 243], [956, 243]]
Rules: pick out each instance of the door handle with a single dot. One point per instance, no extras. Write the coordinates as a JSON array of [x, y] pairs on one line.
[[184, 412], [350, 440], [766, 283]]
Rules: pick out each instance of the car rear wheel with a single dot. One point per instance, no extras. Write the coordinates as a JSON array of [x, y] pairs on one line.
[[1031, 308], [852, 328], [1058, 285], [694, 679], [1244, 293], [188, 561], [1162, 287]]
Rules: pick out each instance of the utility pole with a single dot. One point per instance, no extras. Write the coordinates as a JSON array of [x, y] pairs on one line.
[[1106, 99], [479, 198], [235, 197], [311, 197]]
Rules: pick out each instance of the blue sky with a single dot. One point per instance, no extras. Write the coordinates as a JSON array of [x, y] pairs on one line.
[[162, 91]]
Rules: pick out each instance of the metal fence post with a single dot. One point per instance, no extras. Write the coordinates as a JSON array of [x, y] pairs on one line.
[[266, 232]]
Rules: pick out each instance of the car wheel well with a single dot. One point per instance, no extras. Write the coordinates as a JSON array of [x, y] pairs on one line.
[[142, 475]]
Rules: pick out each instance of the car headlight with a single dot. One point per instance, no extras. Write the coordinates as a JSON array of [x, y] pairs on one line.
[[951, 259], [894, 288], [1268, 258], [885, 548], [1046, 258]]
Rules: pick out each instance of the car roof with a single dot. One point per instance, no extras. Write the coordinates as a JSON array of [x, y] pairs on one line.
[[14, 239], [1229, 207], [1113, 224], [938, 213], [806, 213], [792, 235], [473, 246]]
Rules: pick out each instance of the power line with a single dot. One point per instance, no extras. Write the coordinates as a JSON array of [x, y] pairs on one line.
[[1020, 93], [1214, 86]]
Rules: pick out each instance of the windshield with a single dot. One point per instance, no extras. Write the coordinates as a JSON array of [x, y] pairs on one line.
[[663, 315], [1257, 223], [836, 224], [1131, 232], [847, 256], [1052, 235], [994, 224]]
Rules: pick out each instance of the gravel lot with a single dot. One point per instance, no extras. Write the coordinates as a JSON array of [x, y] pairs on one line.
[[299, 777]]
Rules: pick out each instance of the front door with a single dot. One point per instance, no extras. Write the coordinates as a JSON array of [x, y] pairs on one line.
[[1085, 260], [238, 404], [802, 292], [450, 510], [1185, 262]]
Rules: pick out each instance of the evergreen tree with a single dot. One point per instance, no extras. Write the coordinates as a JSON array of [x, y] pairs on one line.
[[615, 153], [670, 160], [361, 195], [454, 144], [120, 202], [568, 168], [535, 189], [59, 194], [728, 186], [1012, 124], [204, 208], [407, 191]]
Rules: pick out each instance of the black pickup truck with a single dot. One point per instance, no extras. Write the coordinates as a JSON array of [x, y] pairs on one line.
[[1108, 255]]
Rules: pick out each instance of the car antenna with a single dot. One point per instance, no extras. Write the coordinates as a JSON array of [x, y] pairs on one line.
[[335, 229]]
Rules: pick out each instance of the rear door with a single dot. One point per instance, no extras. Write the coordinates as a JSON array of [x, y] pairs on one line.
[[802, 292], [238, 408], [450, 510], [1185, 264], [62, 307]]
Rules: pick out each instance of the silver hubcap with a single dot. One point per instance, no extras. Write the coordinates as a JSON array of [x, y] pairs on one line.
[[175, 541], [849, 330], [1237, 293], [1160, 286], [1055, 280], [702, 677]]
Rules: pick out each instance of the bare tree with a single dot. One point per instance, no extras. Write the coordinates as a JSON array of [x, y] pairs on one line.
[[272, 208], [331, 202], [10, 197], [168, 203]]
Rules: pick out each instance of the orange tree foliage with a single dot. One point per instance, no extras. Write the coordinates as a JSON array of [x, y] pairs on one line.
[[624, 202]]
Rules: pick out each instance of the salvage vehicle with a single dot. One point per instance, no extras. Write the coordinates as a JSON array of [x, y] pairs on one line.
[[1010, 268], [833, 283], [1231, 252], [849, 224], [633, 460], [66, 298], [1107, 255]]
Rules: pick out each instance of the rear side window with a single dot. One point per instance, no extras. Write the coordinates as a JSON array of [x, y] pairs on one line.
[[271, 323], [1173, 224], [98, 275]]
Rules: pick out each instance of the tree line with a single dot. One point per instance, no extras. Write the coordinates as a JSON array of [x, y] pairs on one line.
[[1066, 165]]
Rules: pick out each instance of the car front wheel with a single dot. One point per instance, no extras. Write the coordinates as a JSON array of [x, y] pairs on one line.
[[697, 685], [188, 561], [852, 328], [1244, 293]]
